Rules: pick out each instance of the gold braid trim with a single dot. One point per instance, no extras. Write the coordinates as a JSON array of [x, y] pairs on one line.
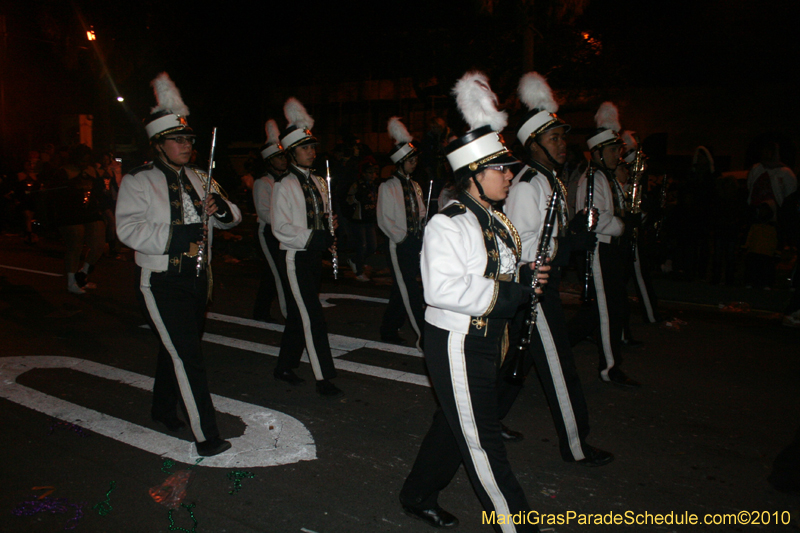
[[215, 187], [494, 298], [513, 231], [475, 164]]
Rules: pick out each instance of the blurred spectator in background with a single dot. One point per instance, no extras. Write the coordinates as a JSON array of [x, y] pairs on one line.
[[110, 174], [24, 194], [770, 181], [761, 247], [79, 216], [360, 212], [728, 220]]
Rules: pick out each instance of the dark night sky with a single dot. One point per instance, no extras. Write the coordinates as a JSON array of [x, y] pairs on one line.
[[228, 57]]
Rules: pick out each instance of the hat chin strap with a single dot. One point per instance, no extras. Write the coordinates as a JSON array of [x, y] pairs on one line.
[[605, 165], [166, 158], [493, 203], [550, 158]]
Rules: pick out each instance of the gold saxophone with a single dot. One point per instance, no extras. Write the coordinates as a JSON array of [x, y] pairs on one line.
[[637, 174]]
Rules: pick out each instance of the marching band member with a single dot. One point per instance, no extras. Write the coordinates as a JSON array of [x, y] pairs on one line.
[[611, 255], [159, 215], [298, 214], [543, 135], [641, 275], [469, 270], [276, 165], [401, 216]]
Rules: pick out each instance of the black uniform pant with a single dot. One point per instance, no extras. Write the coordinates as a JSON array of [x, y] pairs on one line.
[[551, 352], [405, 298], [175, 306], [271, 286], [305, 322], [640, 271], [463, 370], [609, 307]]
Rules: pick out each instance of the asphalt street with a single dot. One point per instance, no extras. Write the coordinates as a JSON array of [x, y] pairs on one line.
[[719, 401]]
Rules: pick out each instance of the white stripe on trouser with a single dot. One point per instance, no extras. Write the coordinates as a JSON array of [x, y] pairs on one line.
[[401, 284], [274, 268], [602, 309], [469, 427], [291, 274], [562, 393], [180, 373], [637, 267]]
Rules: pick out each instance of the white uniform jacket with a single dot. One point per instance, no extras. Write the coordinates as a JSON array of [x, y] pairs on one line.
[[289, 212], [391, 209], [143, 215], [526, 206], [608, 225], [453, 266], [262, 198]]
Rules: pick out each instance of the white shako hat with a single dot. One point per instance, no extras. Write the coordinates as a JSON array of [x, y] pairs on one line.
[[169, 115], [537, 96], [298, 132], [631, 146], [607, 132], [403, 149], [273, 145], [482, 146]]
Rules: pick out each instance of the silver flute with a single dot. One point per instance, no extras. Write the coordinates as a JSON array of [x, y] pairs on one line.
[[334, 253], [591, 224], [428, 204], [201, 251]]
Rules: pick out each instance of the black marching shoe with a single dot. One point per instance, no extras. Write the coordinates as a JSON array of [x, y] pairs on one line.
[[288, 376], [618, 377], [326, 388], [631, 343], [211, 447], [434, 517], [509, 434], [392, 338], [595, 457], [172, 423]]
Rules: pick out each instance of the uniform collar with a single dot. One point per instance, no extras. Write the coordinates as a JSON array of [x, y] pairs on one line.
[[164, 167]]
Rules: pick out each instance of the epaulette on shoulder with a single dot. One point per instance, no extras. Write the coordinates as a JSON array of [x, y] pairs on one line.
[[453, 210], [215, 186], [148, 166], [529, 174]]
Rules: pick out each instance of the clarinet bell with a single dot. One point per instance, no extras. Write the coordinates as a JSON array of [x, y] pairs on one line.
[[515, 375]]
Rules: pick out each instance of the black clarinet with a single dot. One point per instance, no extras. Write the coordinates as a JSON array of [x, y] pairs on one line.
[[591, 223], [516, 372]]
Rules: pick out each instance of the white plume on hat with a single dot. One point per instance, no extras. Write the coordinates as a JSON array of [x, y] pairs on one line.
[[535, 93], [629, 139], [607, 117], [168, 96], [297, 115], [273, 134], [477, 102], [398, 131]]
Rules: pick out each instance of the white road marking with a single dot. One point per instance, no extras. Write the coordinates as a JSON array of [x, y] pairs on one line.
[[337, 296], [338, 342], [270, 437], [348, 366], [34, 271]]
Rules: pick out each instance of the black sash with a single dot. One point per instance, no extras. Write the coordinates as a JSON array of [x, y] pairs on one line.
[[411, 197], [315, 208], [494, 225], [175, 182]]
